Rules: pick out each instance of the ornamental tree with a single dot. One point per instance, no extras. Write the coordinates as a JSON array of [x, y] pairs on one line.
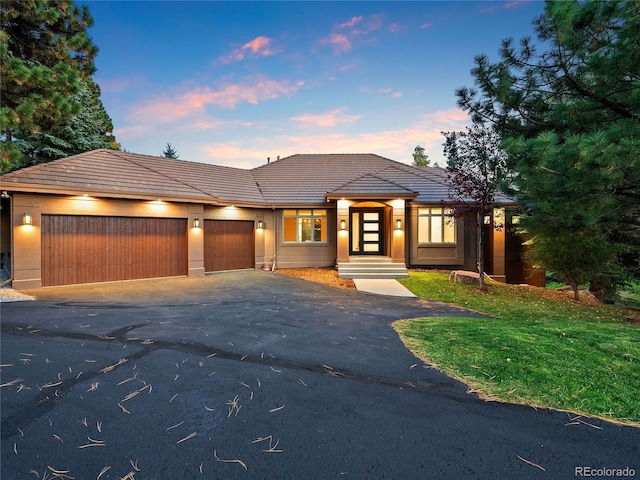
[[476, 171]]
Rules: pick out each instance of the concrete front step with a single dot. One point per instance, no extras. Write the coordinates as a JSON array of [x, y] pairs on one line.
[[372, 275], [372, 267]]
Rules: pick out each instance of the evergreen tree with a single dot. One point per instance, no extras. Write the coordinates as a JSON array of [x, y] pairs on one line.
[[476, 171], [89, 130], [170, 152], [46, 58], [420, 159], [569, 117]]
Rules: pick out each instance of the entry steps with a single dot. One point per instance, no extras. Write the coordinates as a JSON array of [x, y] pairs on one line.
[[372, 267]]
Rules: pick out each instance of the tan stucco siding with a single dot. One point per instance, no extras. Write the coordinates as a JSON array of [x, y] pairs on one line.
[[441, 255], [291, 255], [27, 239]]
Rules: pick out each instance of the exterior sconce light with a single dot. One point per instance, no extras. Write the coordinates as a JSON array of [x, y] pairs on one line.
[[398, 224], [343, 224], [487, 219], [260, 224], [26, 219], [196, 223]]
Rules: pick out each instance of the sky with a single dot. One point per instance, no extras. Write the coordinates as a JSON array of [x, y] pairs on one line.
[[232, 83]]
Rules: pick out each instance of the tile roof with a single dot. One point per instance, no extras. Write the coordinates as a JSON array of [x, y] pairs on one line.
[[295, 180], [315, 175], [369, 184], [101, 171]]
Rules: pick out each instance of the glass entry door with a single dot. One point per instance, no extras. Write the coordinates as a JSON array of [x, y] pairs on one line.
[[367, 231]]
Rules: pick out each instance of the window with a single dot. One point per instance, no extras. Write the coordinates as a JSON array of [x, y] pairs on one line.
[[302, 226], [435, 225]]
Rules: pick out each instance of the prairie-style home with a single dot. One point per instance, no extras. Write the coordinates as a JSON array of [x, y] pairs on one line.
[[105, 216]]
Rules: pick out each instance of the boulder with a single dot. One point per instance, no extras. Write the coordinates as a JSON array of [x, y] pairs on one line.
[[462, 276]]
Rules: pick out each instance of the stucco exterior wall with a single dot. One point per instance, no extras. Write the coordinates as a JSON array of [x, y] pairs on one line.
[[449, 255], [26, 240], [292, 255]]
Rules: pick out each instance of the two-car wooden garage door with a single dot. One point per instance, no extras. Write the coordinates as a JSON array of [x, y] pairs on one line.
[[86, 248]]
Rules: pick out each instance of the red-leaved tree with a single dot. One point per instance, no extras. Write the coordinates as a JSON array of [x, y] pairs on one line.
[[476, 170]]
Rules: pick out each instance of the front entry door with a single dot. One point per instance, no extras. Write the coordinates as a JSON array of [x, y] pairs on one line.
[[367, 231]]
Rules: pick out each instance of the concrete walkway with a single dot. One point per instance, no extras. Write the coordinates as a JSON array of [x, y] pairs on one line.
[[386, 286]]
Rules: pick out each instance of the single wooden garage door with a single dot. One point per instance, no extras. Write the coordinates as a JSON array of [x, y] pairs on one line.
[[228, 245], [85, 249]]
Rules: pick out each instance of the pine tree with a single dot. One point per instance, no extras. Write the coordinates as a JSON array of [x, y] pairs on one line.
[[89, 130], [46, 58], [169, 152], [569, 116]]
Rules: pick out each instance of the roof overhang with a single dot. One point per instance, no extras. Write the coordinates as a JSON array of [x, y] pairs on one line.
[[369, 196], [78, 191]]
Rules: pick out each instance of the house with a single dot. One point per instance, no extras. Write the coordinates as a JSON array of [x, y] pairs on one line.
[[106, 215]]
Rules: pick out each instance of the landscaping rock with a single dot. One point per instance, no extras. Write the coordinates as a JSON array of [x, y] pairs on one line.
[[584, 294], [462, 276]]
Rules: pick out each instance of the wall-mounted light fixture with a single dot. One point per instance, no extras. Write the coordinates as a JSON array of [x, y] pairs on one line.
[[398, 224], [260, 224], [343, 224], [196, 223], [487, 219], [26, 219]]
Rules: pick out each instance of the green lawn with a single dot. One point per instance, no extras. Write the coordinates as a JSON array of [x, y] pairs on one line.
[[537, 351]]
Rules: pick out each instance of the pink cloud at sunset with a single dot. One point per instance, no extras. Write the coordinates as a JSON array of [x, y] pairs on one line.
[[354, 21], [340, 42], [397, 144], [328, 119], [258, 47], [167, 109]]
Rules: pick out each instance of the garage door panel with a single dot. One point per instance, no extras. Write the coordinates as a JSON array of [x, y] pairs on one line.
[[228, 245], [84, 249]]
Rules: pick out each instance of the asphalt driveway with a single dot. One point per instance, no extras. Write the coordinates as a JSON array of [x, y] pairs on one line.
[[259, 375]]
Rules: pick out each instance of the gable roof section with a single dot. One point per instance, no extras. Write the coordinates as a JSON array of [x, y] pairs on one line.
[[371, 185], [305, 179], [101, 172], [225, 183]]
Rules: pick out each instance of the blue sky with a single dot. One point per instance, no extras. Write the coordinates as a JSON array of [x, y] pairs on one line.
[[232, 83]]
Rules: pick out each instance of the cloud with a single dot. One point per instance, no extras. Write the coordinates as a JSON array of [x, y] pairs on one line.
[[343, 34], [397, 144], [340, 42], [426, 25], [258, 47], [394, 27], [328, 119], [392, 92], [186, 103], [507, 5], [351, 23]]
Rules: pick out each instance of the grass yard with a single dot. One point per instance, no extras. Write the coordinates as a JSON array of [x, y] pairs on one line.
[[536, 350]]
